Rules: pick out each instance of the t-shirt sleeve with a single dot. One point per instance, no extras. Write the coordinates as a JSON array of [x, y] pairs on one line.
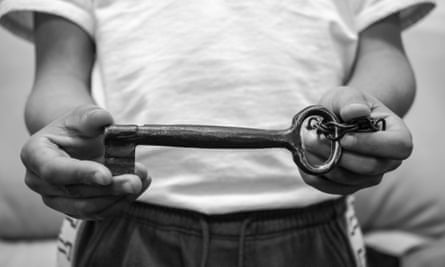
[[368, 12], [17, 15]]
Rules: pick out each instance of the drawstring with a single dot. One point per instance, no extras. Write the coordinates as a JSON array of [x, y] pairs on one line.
[[242, 240], [205, 240]]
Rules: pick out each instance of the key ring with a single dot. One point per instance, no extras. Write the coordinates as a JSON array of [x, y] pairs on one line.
[[299, 154], [121, 140]]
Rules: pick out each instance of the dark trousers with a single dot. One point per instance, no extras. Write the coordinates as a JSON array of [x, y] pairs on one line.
[[154, 236]]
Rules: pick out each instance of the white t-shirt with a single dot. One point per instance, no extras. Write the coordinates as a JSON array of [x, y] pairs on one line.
[[218, 62]]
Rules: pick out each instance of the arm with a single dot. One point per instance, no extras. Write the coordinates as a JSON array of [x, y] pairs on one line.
[[62, 157], [381, 86], [64, 59], [382, 68]]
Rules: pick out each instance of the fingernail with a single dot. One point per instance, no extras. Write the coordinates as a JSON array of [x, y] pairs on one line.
[[359, 107], [101, 178], [131, 188], [354, 110]]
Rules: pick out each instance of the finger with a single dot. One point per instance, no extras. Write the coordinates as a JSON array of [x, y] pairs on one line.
[[121, 185], [356, 163], [345, 177], [67, 171], [390, 144], [328, 186], [38, 185], [87, 121], [369, 166], [141, 171], [129, 183], [126, 184], [117, 208], [87, 208], [48, 162], [80, 133], [352, 103], [394, 143]]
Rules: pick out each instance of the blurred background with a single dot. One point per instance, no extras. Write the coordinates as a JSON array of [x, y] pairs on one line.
[[23, 217]]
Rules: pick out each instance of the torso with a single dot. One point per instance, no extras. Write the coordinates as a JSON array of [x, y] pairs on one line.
[[236, 63]]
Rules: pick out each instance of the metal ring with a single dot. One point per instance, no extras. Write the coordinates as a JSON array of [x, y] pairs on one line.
[[300, 155]]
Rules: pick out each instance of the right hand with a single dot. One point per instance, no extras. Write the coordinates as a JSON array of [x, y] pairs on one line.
[[62, 163]]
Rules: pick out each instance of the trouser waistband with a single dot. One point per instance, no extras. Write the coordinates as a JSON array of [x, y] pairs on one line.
[[261, 221]]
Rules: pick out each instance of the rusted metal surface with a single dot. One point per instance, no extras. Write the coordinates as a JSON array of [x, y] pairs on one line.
[[121, 140]]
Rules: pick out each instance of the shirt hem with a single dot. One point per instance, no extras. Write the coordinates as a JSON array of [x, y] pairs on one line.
[[17, 15], [410, 12]]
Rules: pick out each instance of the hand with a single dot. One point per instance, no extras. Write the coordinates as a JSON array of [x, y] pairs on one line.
[[366, 156], [62, 163]]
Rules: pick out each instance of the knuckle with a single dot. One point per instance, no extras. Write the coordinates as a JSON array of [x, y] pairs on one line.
[[27, 152], [47, 172], [31, 182], [24, 152]]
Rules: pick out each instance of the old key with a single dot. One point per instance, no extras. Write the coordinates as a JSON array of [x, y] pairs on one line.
[[121, 140]]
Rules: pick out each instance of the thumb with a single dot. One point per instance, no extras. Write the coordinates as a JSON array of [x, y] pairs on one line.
[[347, 102], [87, 121]]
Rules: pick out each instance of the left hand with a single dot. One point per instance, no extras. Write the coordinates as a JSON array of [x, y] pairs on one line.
[[366, 156]]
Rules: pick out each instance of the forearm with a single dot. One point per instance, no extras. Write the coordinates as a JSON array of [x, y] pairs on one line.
[[52, 97], [64, 59], [382, 68]]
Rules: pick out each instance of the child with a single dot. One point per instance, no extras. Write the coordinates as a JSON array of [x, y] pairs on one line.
[[239, 63]]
